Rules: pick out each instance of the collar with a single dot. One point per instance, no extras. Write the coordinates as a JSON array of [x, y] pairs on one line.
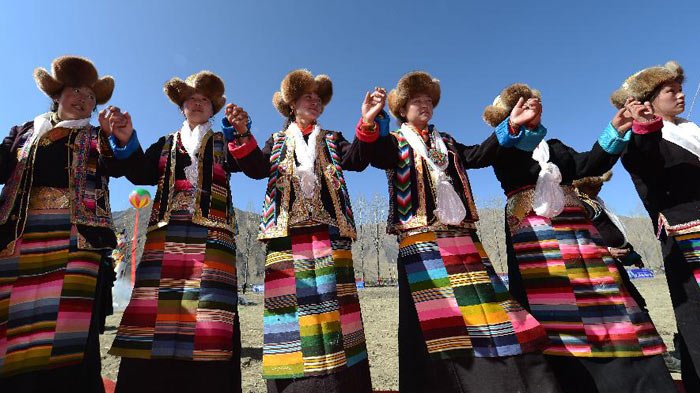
[[307, 130]]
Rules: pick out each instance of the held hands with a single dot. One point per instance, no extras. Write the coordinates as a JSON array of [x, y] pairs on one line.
[[641, 113], [114, 122], [237, 117], [622, 121], [373, 104], [527, 113]]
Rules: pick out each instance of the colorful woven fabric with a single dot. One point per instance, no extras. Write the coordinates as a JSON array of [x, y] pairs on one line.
[[268, 218], [88, 184], [402, 181], [313, 323], [338, 177], [212, 205], [47, 290], [463, 307], [575, 290], [690, 246], [185, 299]]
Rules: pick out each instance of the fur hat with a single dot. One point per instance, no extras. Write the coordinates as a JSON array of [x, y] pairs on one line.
[[495, 113], [410, 85], [73, 71], [204, 82], [643, 84], [593, 180], [297, 83]]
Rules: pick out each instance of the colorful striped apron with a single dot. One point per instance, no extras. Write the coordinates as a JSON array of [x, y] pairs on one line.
[[690, 246], [47, 291], [574, 288], [312, 321], [463, 307], [185, 300]]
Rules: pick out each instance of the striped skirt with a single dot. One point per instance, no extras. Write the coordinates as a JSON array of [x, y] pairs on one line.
[[682, 267], [184, 303], [312, 321], [463, 308], [47, 291], [689, 245], [574, 288]]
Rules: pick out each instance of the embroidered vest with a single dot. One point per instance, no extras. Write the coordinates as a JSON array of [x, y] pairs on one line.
[[89, 187], [408, 205], [280, 210], [213, 204]]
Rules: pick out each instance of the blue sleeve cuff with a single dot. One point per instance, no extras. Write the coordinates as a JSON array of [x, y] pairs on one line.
[[611, 141], [384, 122], [121, 153], [504, 136], [230, 131], [531, 138]]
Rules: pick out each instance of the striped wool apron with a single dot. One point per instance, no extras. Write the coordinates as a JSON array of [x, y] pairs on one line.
[[312, 323], [47, 290], [573, 286], [184, 303], [463, 307]]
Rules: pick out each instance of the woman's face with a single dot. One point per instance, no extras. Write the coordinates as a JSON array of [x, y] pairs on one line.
[[308, 108], [419, 110], [670, 101], [76, 103], [198, 109]]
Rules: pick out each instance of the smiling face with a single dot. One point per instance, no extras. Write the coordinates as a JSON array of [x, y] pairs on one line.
[[418, 110], [669, 101], [76, 103], [198, 109], [308, 108]]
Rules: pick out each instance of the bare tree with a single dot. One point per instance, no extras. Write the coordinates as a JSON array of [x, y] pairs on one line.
[[246, 241], [360, 211], [492, 231], [378, 210]]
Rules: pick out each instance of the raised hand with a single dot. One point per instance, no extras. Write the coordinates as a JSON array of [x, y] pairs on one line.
[[119, 124], [237, 117], [622, 121], [103, 118], [373, 105], [527, 113], [641, 113]]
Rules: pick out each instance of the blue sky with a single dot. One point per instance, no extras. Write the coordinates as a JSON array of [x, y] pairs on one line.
[[576, 53]]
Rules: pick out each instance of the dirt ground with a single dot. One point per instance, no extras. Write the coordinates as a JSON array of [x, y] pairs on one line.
[[380, 314]]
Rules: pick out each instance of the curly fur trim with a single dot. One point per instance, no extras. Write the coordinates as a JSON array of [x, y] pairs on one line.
[[204, 82], [73, 71], [297, 83], [495, 113], [410, 85], [643, 85], [593, 180]]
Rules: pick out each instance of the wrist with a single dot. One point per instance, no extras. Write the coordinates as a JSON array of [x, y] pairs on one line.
[[368, 124]]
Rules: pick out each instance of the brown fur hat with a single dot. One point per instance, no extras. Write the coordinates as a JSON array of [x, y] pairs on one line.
[[204, 82], [297, 83], [73, 71], [593, 180], [644, 84], [410, 85], [495, 113]]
